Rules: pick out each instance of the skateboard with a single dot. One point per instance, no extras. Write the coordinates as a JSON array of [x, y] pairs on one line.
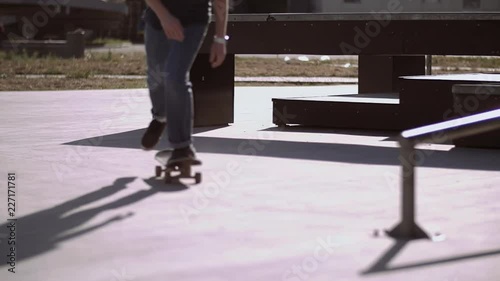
[[176, 171]]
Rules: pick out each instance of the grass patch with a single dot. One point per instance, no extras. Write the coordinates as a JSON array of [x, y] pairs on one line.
[[281, 84], [80, 71], [472, 62], [91, 64], [278, 67], [57, 84], [109, 42]]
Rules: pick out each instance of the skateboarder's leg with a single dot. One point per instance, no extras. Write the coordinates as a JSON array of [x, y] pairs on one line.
[[179, 95], [157, 48], [156, 44]]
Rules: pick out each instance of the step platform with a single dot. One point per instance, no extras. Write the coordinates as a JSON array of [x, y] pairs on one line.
[[429, 99], [476, 98], [421, 100], [377, 111]]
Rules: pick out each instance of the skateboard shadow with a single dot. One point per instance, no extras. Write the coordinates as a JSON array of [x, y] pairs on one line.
[[42, 231], [161, 186], [456, 158]]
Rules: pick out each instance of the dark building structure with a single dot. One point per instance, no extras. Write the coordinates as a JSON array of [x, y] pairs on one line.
[[132, 24], [52, 19], [136, 7], [275, 6]]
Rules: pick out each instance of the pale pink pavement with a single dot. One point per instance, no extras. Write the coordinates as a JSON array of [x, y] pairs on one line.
[[305, 207]]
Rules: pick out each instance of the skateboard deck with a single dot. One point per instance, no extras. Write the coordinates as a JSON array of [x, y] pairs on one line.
[[178, 170]]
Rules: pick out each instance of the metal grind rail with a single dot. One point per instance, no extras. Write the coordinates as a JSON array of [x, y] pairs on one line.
[[440, 132]]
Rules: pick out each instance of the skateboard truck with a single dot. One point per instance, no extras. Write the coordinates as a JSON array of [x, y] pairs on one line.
[[178, 172]]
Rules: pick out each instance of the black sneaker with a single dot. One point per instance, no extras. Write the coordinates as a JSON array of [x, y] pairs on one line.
[[152, 134], [183, 155]]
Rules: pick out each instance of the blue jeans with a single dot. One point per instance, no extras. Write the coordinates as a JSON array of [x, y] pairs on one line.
[[169, 64]]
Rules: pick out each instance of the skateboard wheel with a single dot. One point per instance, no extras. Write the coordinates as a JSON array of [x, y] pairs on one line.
[[197, 177], [158, 171]]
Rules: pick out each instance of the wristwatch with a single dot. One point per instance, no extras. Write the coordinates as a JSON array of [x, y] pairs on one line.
[[221, 40]]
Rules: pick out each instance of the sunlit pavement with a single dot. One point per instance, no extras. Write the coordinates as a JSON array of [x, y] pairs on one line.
[[274, 204]]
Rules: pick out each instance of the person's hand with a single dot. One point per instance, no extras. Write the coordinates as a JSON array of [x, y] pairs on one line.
[[172, 27], [217, 54]]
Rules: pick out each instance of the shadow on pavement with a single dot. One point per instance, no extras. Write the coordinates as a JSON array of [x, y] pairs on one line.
[[41, 232], [160, 186], [456, 158], [320, 130], [382, 264], [390, 136]]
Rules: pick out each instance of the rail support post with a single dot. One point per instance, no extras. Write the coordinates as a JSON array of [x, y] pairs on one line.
[[407, 228]]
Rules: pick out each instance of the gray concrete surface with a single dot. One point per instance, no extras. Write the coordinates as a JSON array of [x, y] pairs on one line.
[[275, 204]]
